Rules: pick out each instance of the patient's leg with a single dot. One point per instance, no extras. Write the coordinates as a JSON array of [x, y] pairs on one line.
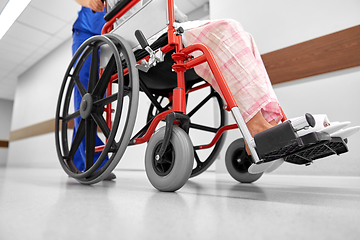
[[258, 124], [239, 60]]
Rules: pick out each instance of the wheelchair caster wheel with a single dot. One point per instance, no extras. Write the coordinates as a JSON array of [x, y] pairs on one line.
[[237, 163], [170, 172], [204, 158]]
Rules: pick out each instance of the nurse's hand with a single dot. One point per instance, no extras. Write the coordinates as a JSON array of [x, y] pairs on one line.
[[95, 5]]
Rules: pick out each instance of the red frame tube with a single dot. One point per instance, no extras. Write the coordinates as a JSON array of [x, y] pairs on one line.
[[218, 135], [199, 87]]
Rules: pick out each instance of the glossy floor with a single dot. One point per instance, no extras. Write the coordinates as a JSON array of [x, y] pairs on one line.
[[46, 204]]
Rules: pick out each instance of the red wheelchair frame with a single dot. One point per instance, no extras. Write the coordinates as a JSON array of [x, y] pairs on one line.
[[180, 56], [278, 143]]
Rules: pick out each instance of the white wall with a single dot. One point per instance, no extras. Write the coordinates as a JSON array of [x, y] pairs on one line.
[[37, 89], [35, 101], [279, 23], [5, 121], [335, 94]]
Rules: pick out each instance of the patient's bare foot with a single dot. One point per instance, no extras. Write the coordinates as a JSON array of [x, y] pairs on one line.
[[256, 125]]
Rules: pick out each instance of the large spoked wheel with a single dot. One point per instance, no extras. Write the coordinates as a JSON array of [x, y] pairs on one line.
[[207, 116], [237, 163], [118, 96], [170, 172]]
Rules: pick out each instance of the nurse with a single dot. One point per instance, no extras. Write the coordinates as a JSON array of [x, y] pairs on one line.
[[89, 23]]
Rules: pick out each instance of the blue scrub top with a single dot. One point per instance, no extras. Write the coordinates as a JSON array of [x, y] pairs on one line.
[[89, 21]]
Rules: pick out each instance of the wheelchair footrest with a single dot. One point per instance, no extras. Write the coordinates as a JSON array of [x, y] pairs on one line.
[[283, 142], [308, 154]]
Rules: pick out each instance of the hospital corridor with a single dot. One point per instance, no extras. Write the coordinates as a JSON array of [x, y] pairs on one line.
[[179, 119]]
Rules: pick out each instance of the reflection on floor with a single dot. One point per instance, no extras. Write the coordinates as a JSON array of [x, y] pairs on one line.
[[46, 204]]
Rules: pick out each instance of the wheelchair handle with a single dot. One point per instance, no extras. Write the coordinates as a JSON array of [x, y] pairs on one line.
[[141, 39]]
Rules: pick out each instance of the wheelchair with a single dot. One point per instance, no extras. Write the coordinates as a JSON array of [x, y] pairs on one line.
[[163, 71]]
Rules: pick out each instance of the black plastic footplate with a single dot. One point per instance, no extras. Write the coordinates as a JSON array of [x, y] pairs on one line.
[[282, 141]]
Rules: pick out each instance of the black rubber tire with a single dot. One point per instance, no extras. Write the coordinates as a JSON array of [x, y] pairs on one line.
[[237, 162], [173, 170]]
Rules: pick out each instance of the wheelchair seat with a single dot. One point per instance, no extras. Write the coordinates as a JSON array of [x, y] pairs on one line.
[[161, 79]]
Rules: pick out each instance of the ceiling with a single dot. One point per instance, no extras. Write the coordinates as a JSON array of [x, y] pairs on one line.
[[43, 25]]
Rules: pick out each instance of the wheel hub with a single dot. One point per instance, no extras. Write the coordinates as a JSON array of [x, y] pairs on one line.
[[163, 165], [86, 106], [241, 161]]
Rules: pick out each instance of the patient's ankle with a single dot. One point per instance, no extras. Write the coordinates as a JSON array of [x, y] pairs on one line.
[[256, 125]]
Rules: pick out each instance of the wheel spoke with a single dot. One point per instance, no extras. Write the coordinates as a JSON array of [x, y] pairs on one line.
[[90, 129], [107, 100], [72, 116], [156, 109], [111, 98], [162, 167], [203, 128], [155, 103], [197, 159], [101, 85], [100, 121], [202, 103], [80, 86], [79, 136], [127, 91], [94, 69], [169, 161]]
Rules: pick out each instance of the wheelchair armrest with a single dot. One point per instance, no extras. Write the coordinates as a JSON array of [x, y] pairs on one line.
[[118, 6]]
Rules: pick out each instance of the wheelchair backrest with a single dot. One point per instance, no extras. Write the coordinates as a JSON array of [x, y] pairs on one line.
[[151, 19]]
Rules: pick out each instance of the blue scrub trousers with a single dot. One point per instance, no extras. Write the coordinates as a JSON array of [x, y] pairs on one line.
[[80, 158]]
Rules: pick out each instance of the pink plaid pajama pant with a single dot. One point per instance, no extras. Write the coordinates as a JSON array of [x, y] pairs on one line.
[[239, 60]]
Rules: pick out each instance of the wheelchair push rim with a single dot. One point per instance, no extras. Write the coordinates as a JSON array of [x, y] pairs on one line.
[[91, 115]]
